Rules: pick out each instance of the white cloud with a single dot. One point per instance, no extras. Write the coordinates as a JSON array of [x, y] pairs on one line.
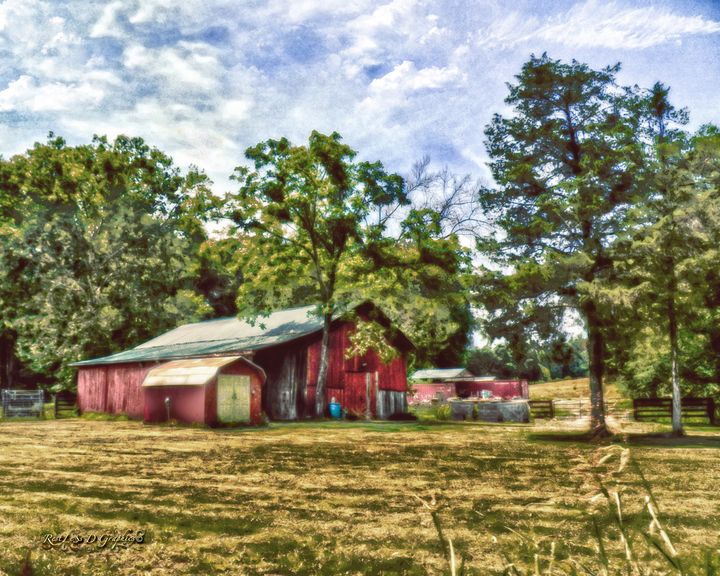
[[204, 79], [185, 65], [107, 24], [597, 24], [404, 26], [406, 78], [26, 95]]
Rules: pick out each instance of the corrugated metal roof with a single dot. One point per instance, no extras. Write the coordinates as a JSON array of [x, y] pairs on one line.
[[195, 372], [441, 374], [225, 335], [278, 326]]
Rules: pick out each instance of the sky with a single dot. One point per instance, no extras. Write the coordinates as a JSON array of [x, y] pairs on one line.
[[399, 79]]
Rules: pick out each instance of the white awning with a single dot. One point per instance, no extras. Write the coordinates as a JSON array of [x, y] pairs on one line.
[[190, 372]]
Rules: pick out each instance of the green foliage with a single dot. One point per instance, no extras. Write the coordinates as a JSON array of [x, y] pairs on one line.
[[305, 211], [550, 360], [305, 215], [96, 246], [669, 267], [370, 336], [313, 226], [566, 164]]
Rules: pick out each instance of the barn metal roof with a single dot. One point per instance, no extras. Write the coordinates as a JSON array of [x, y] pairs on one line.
[[221, 336], [190, 372], [278, 327], [441, 374]]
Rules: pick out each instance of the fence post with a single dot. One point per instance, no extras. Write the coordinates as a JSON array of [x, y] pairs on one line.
[[368, 409], [55, 407], [711, 411]]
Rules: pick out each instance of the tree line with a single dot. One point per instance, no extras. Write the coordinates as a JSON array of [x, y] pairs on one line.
[[602, 204]]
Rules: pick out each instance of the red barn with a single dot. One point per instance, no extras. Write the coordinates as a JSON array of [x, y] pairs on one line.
[[192, 372]]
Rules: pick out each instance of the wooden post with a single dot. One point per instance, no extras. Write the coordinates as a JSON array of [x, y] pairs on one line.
[[368, 410], [55, 407], [378, 409], [711, 410]]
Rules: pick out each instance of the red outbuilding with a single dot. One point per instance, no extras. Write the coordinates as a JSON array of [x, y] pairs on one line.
[[439, 384], [229, 371]]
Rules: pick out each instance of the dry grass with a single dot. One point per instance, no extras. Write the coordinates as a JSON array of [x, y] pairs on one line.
[[569, 389], [328, 498]]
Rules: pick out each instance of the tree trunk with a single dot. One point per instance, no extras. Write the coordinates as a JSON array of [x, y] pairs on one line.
[[677, 427], [8, 361], [323, 370], [596, 360]]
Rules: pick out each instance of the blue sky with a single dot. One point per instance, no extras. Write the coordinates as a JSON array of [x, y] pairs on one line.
[[204, 80]]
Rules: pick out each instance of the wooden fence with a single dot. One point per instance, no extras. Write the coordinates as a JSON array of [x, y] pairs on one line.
[[542, 409], [64, 404], [23, 403], [654, 408]]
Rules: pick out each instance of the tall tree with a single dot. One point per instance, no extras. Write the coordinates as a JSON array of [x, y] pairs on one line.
[[564, 164], [307, 212], [670, 268], [665, 241], [97, 244]]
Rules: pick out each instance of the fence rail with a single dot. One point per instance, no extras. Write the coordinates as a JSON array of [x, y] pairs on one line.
[[653, 408], [64, 404], [542, 409]]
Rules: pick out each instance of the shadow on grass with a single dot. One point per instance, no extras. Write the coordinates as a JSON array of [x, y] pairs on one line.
[[659, 439]]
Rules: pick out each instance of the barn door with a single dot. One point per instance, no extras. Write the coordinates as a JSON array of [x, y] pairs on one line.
[[356, 393], [233, 398]]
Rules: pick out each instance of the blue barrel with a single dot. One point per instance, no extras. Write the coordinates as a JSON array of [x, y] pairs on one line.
[[335, 410]]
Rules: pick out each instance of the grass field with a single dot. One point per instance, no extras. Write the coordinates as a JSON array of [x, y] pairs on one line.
[[570, 389], [333, 498]]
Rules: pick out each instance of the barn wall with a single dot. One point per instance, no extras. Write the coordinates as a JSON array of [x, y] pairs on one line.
[[392, 376], [187, 403], [124, 389], [92, 388], [115, 388]]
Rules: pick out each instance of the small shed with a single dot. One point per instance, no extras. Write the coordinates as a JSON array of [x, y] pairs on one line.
[[213, 391], [439, 384]]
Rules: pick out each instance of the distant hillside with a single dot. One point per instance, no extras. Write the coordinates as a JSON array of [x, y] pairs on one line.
[[566, 389]]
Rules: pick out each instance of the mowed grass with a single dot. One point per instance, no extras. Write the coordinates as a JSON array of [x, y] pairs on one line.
[[570, 389], [330, 498]]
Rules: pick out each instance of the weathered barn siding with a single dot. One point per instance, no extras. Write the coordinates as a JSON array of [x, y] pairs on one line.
[[292, 372], [92, 388], [124, 389], [114, 389], [347, 376], [284, 395]]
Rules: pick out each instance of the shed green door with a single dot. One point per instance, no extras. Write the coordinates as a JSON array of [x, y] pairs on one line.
[[233, 398]]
